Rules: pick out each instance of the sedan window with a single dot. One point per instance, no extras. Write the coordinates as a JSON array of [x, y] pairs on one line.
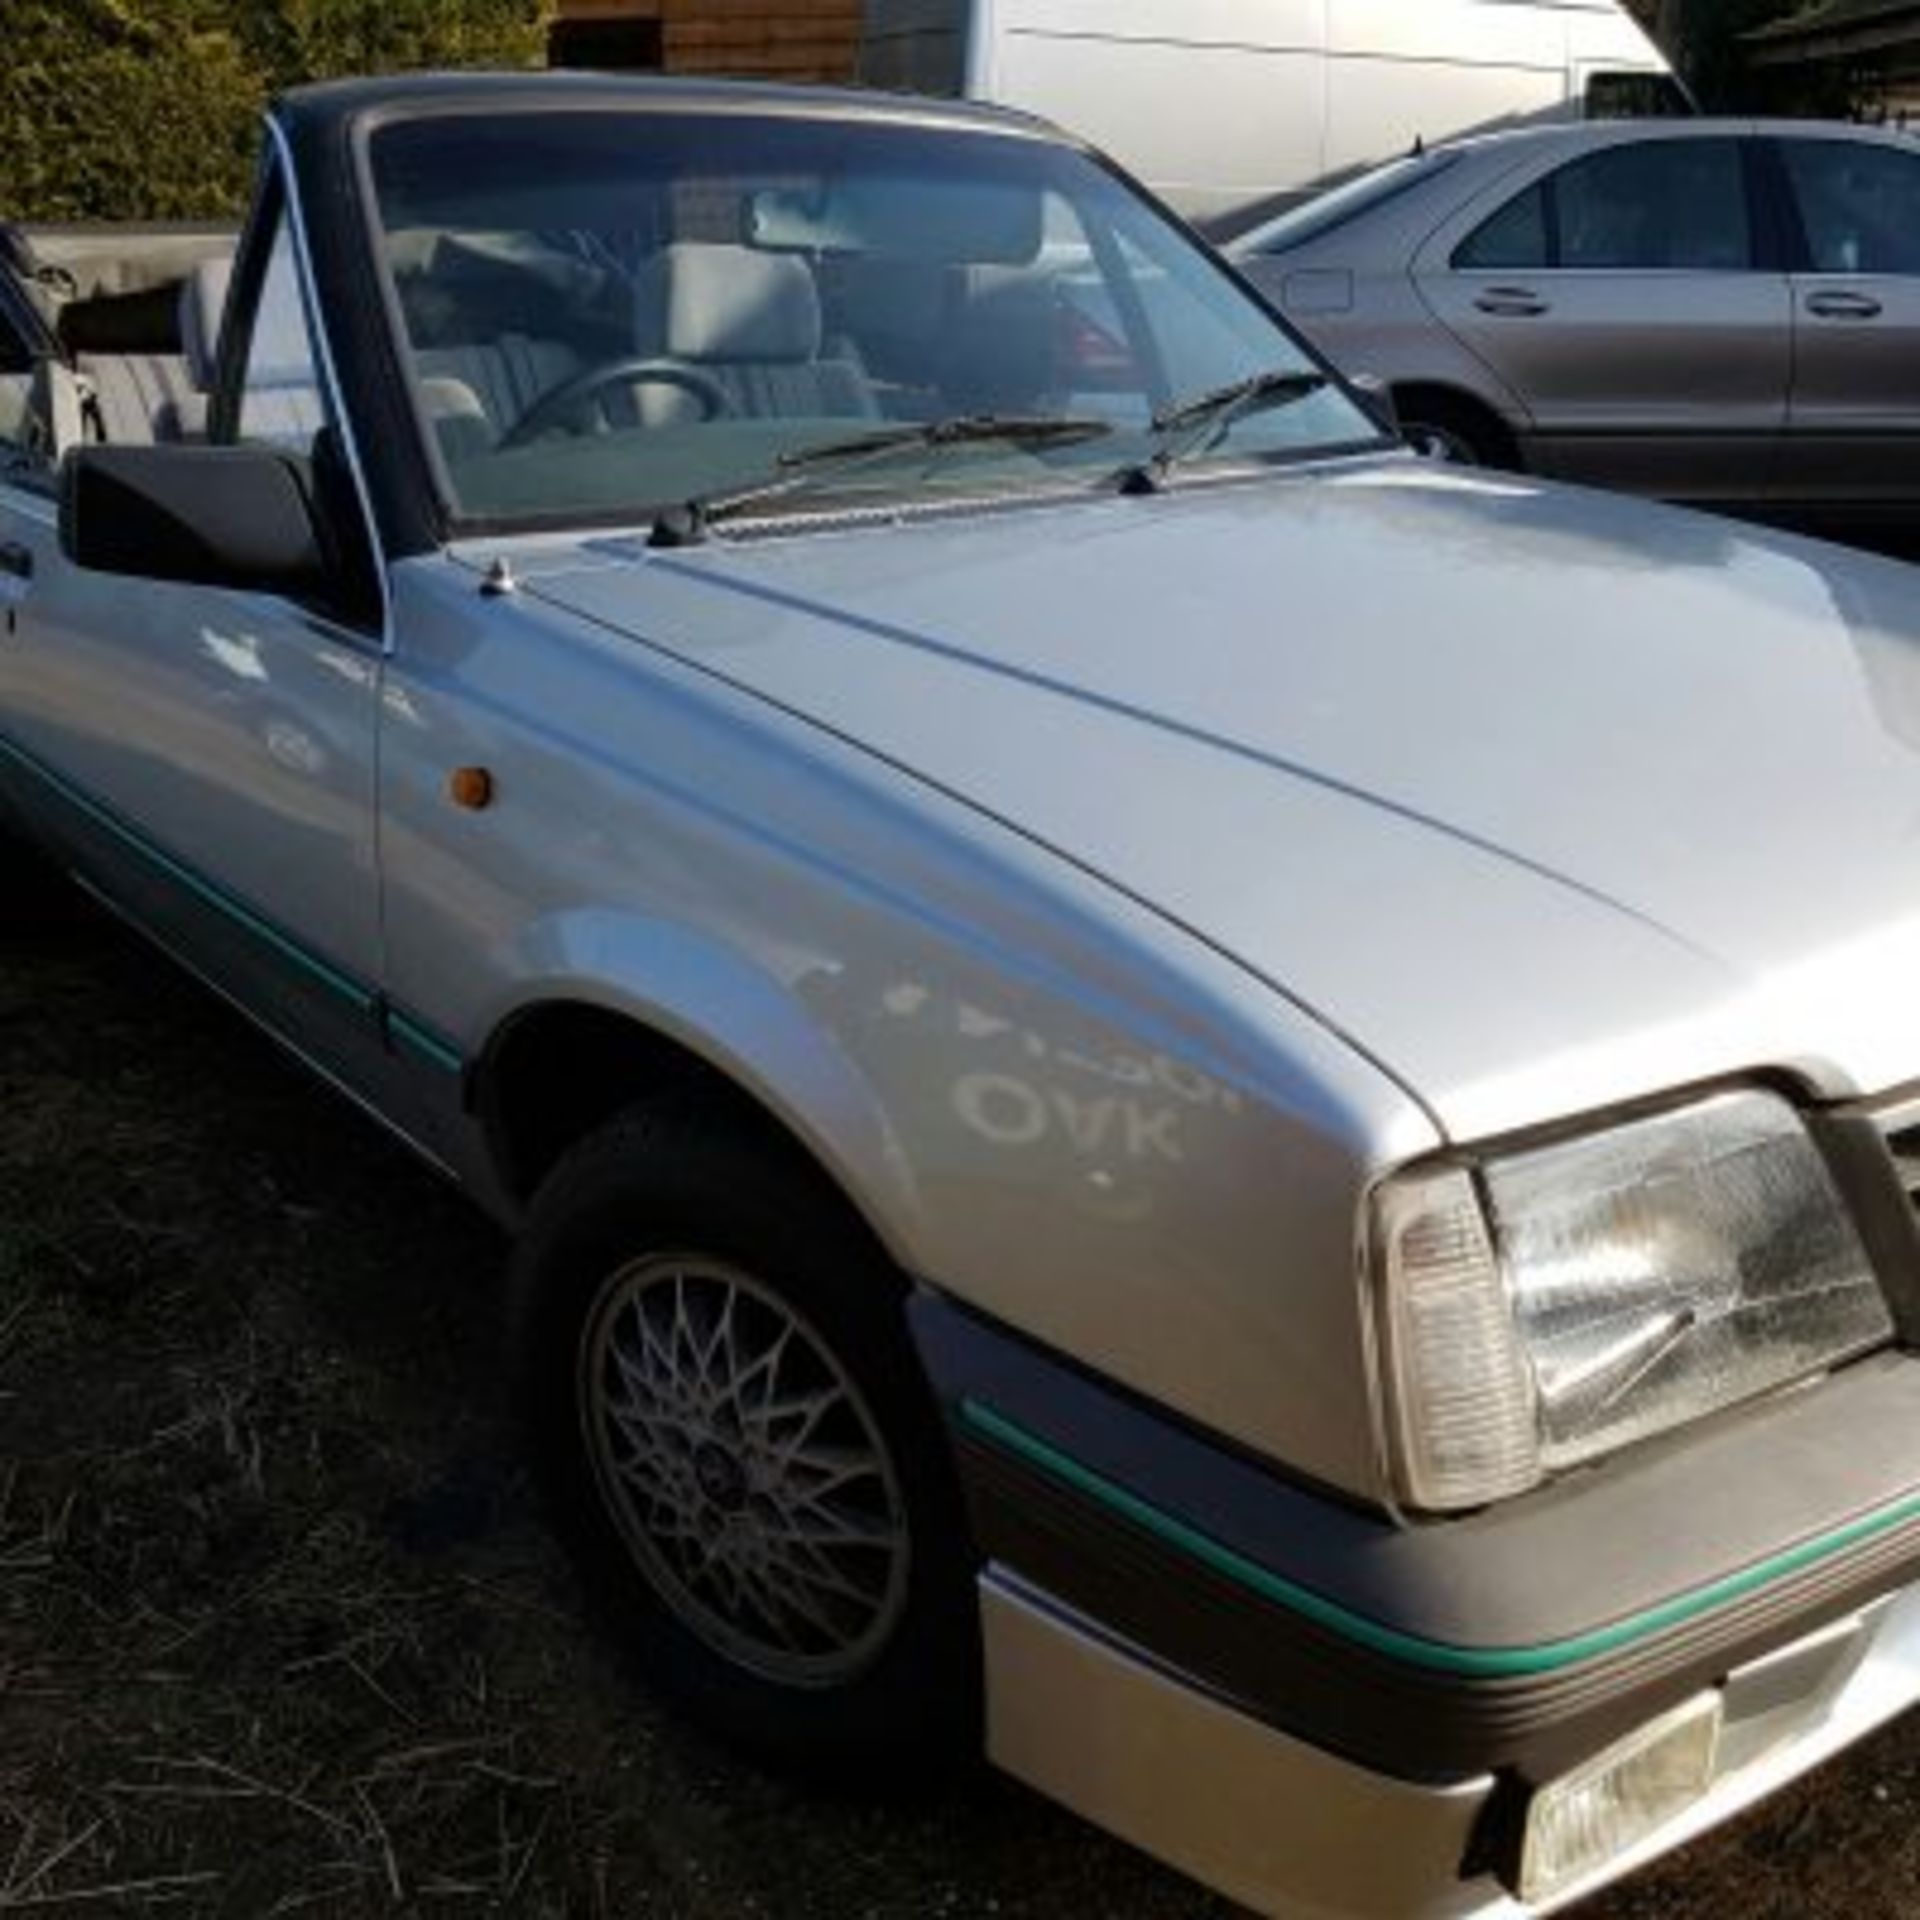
[[1662, 206], [1678, 205], [1515, 238], [1859, 205], [1340, 206]]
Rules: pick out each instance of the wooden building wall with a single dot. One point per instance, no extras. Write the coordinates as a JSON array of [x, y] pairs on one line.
[[762, 39]]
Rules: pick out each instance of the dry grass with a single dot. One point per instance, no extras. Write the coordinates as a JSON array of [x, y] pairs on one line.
[[278, 1633]]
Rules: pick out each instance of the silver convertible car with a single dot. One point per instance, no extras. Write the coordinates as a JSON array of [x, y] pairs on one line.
[[1224, 1108]]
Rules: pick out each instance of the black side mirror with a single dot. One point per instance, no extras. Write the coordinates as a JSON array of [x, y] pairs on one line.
[[241, 517]]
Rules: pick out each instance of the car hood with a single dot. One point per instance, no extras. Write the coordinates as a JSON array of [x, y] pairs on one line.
[[1541, 798]]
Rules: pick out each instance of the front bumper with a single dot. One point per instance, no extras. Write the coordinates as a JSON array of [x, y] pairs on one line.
[[1287, 1828], [1318, 1709]]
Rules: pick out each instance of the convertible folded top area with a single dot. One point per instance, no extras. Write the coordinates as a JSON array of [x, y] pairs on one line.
[[133, 313]]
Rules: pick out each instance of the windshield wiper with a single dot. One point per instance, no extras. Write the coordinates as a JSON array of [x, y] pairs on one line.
[[802, 466], [1189, 429]]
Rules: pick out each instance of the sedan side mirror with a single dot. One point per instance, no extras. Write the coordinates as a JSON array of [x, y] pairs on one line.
[[239, 517]]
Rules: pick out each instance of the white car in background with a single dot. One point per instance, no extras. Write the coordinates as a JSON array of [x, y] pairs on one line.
[[1724, 312], [1230, 109]]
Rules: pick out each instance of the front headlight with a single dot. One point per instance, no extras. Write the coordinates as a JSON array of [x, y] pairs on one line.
[[1545, 1306]]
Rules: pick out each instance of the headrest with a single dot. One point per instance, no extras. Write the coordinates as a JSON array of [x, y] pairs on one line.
[[203, 300], [469, 287], [454, 411], [145, 321], [697, 301], [442, 397]]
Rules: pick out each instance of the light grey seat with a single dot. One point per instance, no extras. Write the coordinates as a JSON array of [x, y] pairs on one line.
[[203, 308], [286, 411], [751, 322], [137, 399], [999, 348], [474, 303], [16, 394], [56, 417], [504, 377], [140, 398], [458, 420]]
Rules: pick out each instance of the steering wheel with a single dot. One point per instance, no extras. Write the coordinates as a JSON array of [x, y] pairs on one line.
[[561, 404]]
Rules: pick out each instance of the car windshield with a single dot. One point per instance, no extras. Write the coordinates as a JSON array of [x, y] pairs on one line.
[[610, 313]]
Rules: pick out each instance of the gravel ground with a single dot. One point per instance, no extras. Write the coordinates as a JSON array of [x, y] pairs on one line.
[[279, 1630]]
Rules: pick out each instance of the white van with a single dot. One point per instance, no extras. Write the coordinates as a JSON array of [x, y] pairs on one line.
[[1230, 109]]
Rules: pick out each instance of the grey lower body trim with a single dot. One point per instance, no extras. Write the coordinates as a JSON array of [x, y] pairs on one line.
[[1268, 1820], [1286, 1828], [1375, 1710], [1741, 1526], [265, 1026], [391, 1064]]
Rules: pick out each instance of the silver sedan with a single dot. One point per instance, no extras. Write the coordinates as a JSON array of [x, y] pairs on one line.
[[1718, 311]]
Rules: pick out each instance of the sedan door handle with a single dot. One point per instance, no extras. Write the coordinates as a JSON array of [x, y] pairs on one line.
[[1511, 303], [16, 560], [1843, 306]]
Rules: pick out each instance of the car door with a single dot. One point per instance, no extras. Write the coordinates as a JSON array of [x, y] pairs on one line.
[[1853, 415], [1630, 300], [205, 758]]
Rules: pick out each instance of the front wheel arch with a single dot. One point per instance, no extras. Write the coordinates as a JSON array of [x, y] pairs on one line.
[[560, 1064]]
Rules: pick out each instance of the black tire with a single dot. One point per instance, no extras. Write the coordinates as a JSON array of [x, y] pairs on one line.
[[676, 1183], [1455, 432]]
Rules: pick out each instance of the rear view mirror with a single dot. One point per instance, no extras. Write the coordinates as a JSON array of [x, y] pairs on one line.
[[954, 222], [239, 517]]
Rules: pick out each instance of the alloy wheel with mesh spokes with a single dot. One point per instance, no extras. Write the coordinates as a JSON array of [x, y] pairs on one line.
[[744, 1469]]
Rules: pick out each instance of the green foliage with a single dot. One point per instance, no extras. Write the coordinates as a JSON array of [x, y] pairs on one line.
[[295, 40], [149, 109], [121, 108]]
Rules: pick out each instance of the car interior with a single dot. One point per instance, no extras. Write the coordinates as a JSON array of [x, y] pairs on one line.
[[702, 327], [713, 345], [676, 338], [136, 314], [500, 324], [523, 337]]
